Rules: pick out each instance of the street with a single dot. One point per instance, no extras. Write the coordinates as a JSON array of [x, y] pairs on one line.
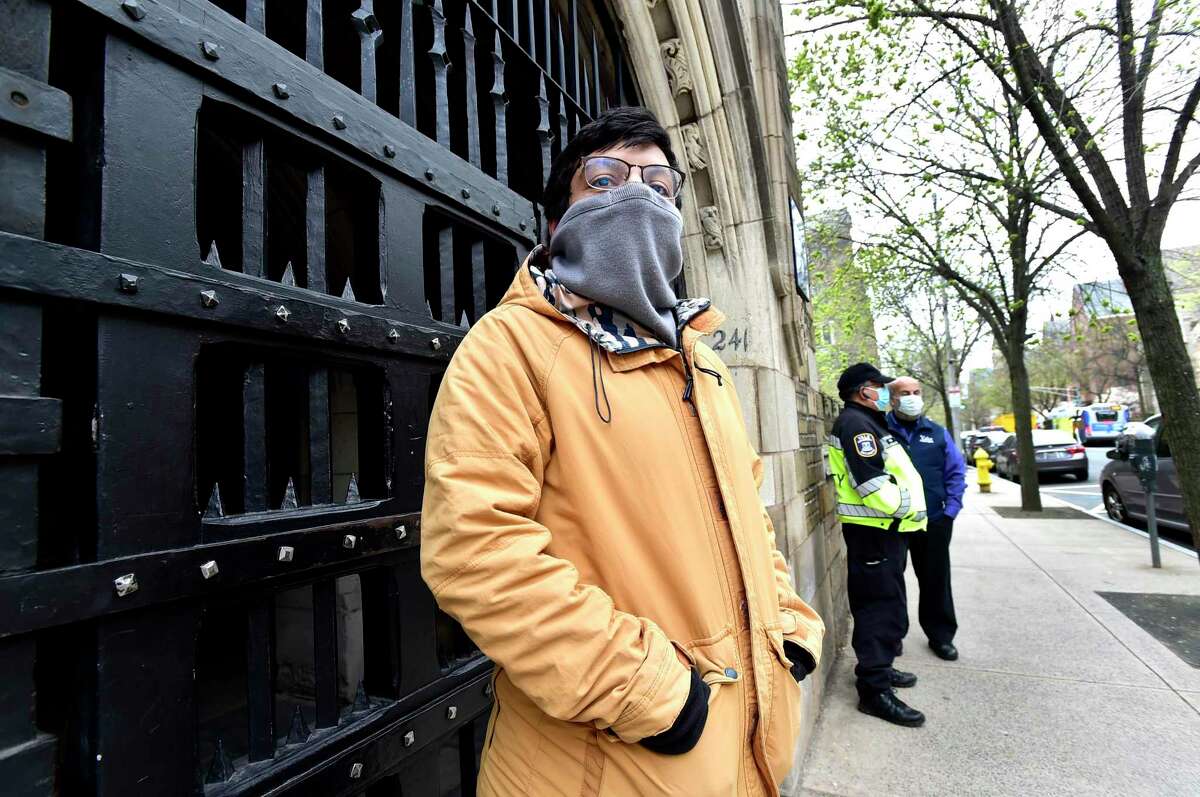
[[1086, 495]]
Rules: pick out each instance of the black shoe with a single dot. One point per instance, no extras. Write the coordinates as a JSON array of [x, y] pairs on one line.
[[902, 680], [944, 650], [887, 706]]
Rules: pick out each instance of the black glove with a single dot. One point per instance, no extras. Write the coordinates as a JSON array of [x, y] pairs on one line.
[[802, 661], [683, 735]]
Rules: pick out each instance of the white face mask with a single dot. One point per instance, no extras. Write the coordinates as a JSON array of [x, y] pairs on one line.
[[911, 405]]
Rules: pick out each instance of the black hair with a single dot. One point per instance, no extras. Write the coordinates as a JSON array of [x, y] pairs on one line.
[[629, 125]]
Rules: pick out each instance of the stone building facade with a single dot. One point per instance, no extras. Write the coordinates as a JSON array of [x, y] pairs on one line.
[[714, 73]]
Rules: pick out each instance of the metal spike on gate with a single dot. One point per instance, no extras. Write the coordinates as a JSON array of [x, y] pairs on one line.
[[289, 277], [348, 292], [289, 496], [352, 495], [213, 258], [221, 768], [215, 509], [464, 323], [361, 701], [299, 732]]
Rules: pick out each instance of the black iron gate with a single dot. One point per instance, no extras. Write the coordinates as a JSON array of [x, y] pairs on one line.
[[239, 242]]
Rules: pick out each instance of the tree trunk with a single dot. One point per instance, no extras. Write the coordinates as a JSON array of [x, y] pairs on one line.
[[946, 409], [1170, 371], [1031, 498]]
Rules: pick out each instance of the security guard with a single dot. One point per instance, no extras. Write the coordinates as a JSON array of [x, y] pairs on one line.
[[879, 494]]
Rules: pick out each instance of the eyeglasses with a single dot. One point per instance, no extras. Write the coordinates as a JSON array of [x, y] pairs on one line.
[[605, 173]]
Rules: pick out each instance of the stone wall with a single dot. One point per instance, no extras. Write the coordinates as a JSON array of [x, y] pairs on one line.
[[713, 71]]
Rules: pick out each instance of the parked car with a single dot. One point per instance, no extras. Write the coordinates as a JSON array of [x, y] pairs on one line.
[[1055, 451], [989, 441], [1101, 422], [1124, 498]]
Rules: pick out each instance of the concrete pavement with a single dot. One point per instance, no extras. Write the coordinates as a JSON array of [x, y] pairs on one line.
[[1056, 692]]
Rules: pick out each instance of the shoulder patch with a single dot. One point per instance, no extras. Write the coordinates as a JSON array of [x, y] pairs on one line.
[[866, 444]]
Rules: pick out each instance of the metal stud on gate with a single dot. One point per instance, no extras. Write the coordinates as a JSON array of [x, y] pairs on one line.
[[429, 174], [349, 541], [393, 335], [389, 151], [401, 532], [134, 9], [209, 569], [282, 313], [210, 50], [128, 283], [452, 712], [356, 770], [126, 584], [281, 90], [436, 344], [410, 739], [466, 193], [339, 121], [209, 299], [495, 210], [343, 325], [285, 554]]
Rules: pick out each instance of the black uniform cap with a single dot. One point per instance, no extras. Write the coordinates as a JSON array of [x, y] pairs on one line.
[[859, 374]]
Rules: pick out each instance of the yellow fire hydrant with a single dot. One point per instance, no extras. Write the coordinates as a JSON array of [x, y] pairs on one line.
[[982, 467]]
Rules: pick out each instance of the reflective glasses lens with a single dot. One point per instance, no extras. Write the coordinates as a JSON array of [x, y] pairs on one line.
[[662, 179], [605, 173]]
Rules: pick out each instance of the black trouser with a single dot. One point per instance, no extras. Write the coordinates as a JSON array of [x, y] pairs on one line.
[[931, 564], [875, 565]]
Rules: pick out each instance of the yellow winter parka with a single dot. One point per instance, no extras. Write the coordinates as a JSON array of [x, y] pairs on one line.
[[584, 523]]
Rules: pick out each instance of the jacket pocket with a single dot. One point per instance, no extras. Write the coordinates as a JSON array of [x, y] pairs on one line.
[[782, 716]]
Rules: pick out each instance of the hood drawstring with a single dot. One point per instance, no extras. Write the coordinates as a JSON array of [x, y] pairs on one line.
[[596, 391], [710, 372]]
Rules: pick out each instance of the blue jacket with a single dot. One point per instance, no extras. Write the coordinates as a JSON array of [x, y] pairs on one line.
[[939, 462]]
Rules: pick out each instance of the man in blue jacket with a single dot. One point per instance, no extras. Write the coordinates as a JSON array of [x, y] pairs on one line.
[[943, 473]]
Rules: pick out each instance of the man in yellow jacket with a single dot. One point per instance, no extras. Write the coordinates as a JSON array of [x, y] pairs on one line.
[[879, 495], [592, 515]]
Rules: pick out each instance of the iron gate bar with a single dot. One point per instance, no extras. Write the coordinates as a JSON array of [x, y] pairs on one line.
[[472, 95], [34, 266], [320, 478], [254, 212], [315, 98], [43, 599], [30, 425], [35, 105], [314, 225], [325, 649], [254, 437], [260, 676], [440, 60]]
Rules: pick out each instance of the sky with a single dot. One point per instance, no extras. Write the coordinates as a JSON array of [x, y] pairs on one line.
[[1094, 261]]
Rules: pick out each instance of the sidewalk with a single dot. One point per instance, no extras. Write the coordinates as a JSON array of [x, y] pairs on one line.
[[1056, 692]]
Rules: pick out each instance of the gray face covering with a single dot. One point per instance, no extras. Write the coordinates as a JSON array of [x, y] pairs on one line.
[[622, 248]]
